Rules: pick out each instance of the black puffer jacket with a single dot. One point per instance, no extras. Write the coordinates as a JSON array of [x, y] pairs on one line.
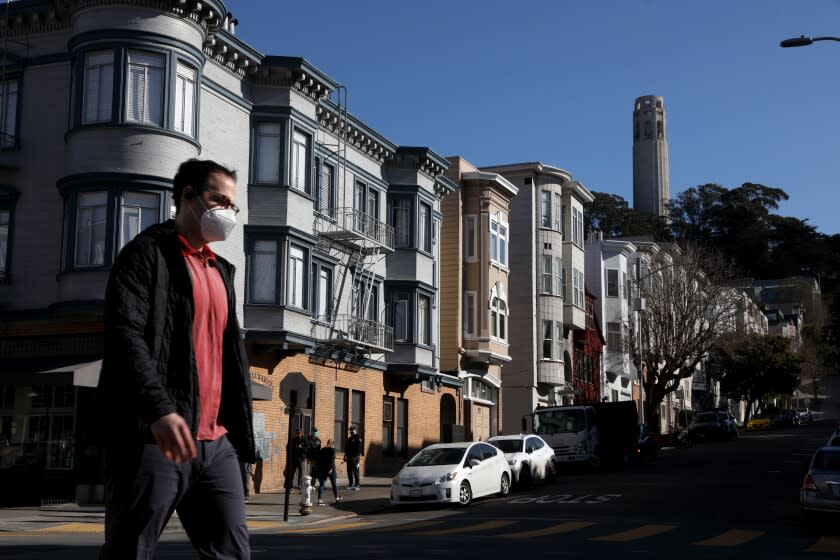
[[149, 368]]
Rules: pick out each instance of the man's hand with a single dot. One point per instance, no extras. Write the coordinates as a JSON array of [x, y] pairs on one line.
[[174, 438]]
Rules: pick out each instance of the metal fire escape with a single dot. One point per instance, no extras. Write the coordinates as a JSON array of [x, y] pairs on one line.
[[359, 241]]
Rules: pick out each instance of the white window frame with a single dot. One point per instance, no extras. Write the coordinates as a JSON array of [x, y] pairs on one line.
[[296, 277], [545, 209], [424, 316], [499, 232], [558, 276], [94, 206], [263, 272], [98, 91], [142, 207], [558, 212], [326, 180], [470, 308], [579, 299], [498, 319], [185, 78], [144, 91], [268, 145], [614, 337], [561, 342], [548, 339], [547, 275], [424, 227], [298, 161]]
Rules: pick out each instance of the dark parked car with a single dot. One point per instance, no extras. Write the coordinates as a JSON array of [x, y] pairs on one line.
[[708, 426]]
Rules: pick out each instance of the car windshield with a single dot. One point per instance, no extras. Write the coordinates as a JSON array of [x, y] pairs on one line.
[[508, 445], [827, 460], [559, 421], [706, 417], [438, 456]]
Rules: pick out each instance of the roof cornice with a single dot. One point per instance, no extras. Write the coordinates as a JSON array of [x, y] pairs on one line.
[[421, 158], [493, 179], [341, 123]]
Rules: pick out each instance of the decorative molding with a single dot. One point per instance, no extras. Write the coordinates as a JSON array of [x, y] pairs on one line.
[[339, 123]]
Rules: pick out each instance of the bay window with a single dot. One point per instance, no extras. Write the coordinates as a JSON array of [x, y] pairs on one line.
[[498, 319], [184, 98], [295, 286], [91, 215], [424, 223], [399, 315], [325, 202], [498, 240], [469, 314], [401, 220], [612, 282], [558, 276], [98, 94], [144, 90], [424, 309], [470, 239], [545, 209], [263, 272], [548, 341], [268, 143], [547, 278], [137, 212]]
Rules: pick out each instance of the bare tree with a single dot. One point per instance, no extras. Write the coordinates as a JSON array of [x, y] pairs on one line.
[[687, 307]]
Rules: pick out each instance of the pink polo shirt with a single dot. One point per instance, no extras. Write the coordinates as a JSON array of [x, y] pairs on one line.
[[210, 315]]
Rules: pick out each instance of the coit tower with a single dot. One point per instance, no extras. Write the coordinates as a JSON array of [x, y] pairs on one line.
[[651, 191]]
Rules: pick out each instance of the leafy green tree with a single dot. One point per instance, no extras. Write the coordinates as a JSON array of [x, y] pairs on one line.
[[610, 214], [754, 368]]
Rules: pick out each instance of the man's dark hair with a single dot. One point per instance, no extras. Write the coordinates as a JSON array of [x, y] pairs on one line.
[[194, 173]]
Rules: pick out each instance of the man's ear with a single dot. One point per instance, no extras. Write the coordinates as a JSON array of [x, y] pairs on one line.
[[189, 192]]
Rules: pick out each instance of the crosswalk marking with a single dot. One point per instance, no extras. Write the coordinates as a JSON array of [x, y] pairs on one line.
[[328, 528], [487, 525], [566, 527], [407, 526], [826, 544], [638, 533], [734, 537]]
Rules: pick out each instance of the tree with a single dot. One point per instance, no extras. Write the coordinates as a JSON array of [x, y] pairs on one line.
[[753, 368], [611, 215], [687, 309]]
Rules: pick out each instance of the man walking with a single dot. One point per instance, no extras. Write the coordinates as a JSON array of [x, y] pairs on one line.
[[298, 458], [352, 456], [174, 393]]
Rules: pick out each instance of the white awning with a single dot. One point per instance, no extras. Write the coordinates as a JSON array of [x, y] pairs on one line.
[[85, 374]]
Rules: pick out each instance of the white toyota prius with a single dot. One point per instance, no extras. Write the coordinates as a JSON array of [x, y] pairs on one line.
[[452, 473]]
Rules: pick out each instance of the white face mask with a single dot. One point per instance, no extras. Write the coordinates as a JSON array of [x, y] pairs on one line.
[[217, 223]]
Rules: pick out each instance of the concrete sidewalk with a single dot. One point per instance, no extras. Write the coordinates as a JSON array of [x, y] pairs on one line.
[[264, 511]]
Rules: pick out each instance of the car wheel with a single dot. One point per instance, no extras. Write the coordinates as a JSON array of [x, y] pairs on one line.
[[525, 476], [550, 471], [465, 494], [504, 488]]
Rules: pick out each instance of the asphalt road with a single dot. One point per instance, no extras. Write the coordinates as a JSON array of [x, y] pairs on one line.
[[716, 500]]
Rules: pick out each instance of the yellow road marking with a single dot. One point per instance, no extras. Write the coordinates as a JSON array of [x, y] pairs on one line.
[[71, 528], [487, 525], [734, 537], [826, 544], [259, 524], [328, 528], [566, 527], [407, 526], [638, 533]]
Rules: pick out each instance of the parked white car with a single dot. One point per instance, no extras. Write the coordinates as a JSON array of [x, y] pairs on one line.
[[452, 473], [804, 415], [529, 457]]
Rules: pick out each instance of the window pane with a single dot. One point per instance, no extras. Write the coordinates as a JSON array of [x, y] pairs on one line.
[[558, 216], [503, 245], [340, 419], [545, 209], [469, 313], [324, 293], [98, 86], [612, 283], [424, 242], [401, 218], [325, 203], [387, 424], [357, 411], [138, 211], [401, 318], [422, 320], [90, 229], [546, 274], [264, 272], [298, 172], [295, 277], [184, 98], [547, 341], [4, 243], [401, 439], [558, 275], [144, 94], [469, 237], [268, 140]]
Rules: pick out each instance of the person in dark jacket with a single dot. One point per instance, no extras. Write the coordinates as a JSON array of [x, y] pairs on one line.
[[174, 394], [313, 447], [298, 458], [352, 456], [325, 469]]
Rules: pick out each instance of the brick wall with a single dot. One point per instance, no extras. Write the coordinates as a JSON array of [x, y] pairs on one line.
[[293, 371]]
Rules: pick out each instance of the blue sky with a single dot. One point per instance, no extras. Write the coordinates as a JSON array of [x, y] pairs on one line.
[[503, 81]]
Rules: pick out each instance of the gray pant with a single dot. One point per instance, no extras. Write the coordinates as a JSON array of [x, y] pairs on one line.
[[143, 489]]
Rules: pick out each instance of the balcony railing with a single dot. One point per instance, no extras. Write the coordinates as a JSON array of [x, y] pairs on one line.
[[352, 225], [353, 331]]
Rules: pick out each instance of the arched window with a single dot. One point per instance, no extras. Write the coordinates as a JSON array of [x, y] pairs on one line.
[[498, 319]]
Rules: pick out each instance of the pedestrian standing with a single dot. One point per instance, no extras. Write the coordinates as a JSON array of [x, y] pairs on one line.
[[298, 457], [174, 397], [325, 467], [352, 456], [247, 474], [313, 448]]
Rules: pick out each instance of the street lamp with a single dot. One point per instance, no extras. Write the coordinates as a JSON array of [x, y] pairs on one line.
[[803, 41]]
